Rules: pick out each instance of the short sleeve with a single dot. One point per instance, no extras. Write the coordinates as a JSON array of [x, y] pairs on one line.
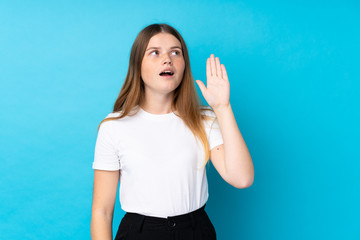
[[213, 129], [106, 153]]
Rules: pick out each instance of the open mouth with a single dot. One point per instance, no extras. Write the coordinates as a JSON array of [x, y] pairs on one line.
[[166, 73]]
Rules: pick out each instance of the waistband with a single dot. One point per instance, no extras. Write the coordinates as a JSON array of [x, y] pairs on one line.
[[170, 221]]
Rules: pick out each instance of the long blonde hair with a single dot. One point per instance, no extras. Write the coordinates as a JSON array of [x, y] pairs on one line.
[[185, 100]]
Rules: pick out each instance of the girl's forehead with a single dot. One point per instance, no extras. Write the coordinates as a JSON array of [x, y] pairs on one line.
[[163, 39]]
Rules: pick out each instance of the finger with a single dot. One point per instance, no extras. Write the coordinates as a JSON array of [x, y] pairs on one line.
[[225, 76], [208, 68], [212, 63], [218, 67], [201, 86]]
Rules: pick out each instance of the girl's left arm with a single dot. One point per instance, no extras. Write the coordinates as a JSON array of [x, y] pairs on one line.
[[239, 168], [232, 159]]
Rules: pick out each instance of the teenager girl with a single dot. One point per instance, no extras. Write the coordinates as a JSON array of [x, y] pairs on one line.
[[157, 141]]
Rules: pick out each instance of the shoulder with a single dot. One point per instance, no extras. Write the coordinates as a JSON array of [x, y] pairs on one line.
[[113, 114], [114, 117], [207, 111], [119, 113], [208, 116], [109, 120]]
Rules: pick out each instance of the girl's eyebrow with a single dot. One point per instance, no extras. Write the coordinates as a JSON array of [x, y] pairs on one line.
[[159, 47]]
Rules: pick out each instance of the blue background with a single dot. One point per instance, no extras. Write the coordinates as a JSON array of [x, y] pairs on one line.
[[294, 75]]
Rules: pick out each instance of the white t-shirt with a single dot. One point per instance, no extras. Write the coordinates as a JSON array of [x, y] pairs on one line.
[[160, 162]]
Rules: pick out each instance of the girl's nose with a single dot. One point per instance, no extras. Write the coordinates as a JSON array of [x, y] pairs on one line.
[[167, 59]]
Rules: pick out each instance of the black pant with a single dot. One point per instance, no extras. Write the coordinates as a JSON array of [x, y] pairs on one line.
[[195, 225]]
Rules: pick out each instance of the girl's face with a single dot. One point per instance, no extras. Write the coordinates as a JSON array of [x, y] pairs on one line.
[[163, 53]]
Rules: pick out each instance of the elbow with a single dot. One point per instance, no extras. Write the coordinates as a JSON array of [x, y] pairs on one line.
[[249, 180], [243, 183], [248, 184]]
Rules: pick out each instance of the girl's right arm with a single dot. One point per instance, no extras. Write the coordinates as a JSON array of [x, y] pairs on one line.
[[104, 195]]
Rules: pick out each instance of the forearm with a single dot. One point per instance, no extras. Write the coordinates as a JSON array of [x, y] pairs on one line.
[[238, 162], [101, 226]]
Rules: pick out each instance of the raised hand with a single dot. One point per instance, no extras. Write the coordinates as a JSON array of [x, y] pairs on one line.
[[217, 92]]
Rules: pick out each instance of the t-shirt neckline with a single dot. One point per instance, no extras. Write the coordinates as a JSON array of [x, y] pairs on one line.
[[156, 117]]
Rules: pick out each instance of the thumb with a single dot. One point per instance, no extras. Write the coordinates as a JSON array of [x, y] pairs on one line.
[[201, 86]]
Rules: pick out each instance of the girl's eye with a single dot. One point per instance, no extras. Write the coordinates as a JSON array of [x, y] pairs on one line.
[[177, 53]]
